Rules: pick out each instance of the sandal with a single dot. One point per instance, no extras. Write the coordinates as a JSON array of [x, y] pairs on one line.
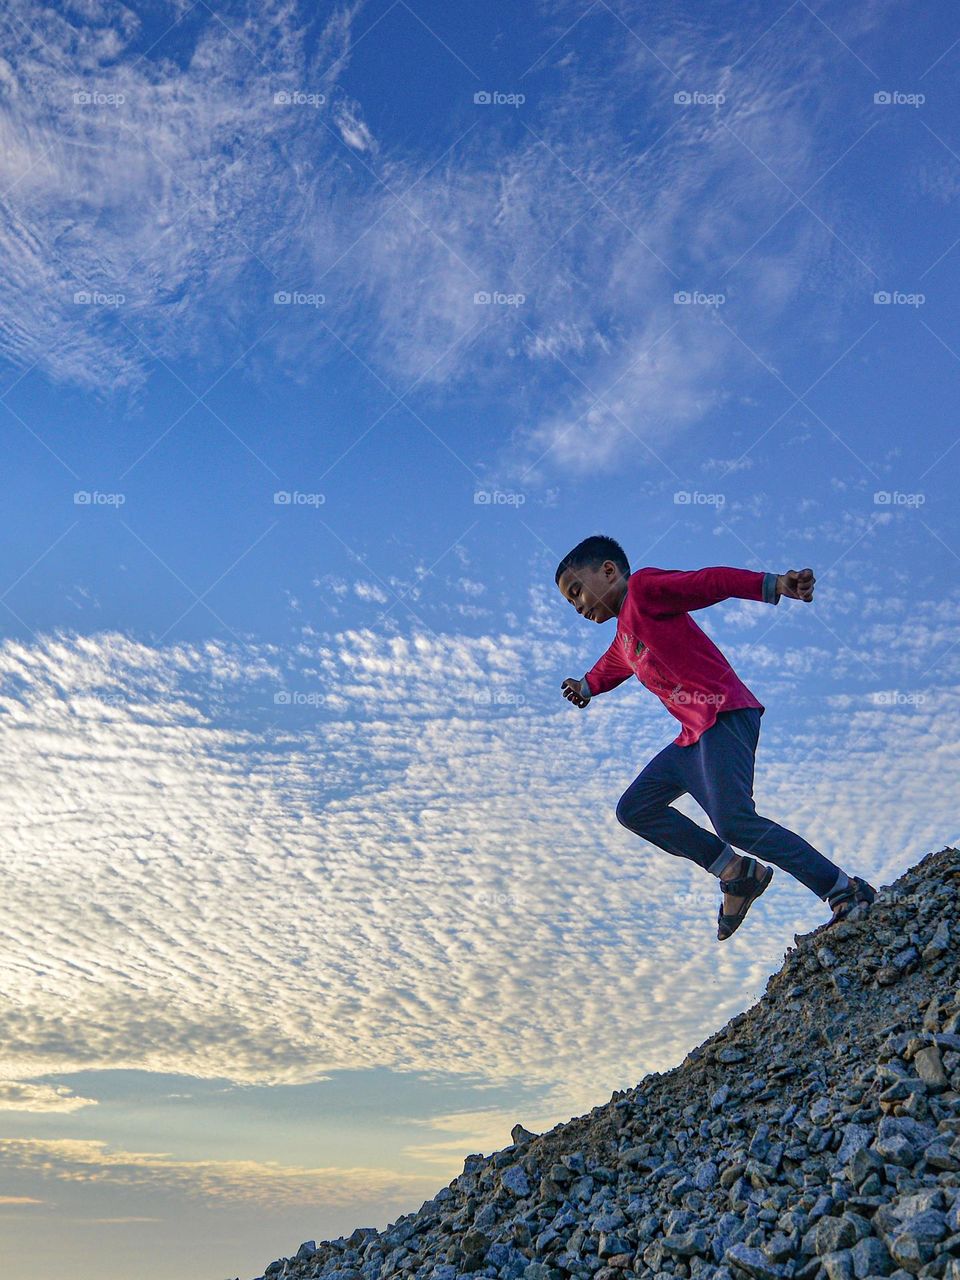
[[748, 883], [858, 893]]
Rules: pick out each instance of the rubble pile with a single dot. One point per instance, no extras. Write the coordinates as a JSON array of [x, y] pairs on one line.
[[815, 1137]]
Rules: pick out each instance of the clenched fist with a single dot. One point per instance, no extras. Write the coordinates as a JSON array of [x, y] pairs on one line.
[[797, 584], [572, 690]]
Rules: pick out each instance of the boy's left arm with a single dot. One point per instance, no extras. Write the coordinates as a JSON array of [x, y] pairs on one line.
[[681, 591]]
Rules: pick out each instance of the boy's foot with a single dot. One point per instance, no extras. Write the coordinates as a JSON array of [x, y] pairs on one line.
[[852, 901], [746, 880]]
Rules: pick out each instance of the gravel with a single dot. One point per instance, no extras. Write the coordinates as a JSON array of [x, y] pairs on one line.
[[815, 1137]]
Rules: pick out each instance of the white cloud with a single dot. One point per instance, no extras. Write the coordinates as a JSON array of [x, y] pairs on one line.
[[17, 1096], [412, 858], [350, 122], [164, 196], [269, 1183], [199, 182]]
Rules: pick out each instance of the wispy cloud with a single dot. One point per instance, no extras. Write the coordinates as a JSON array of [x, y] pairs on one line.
[[174, 175], [264, 1182], [18, 1096], [156, 176]]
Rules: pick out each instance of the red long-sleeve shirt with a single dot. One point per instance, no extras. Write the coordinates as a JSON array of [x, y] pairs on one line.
[[659, 643]]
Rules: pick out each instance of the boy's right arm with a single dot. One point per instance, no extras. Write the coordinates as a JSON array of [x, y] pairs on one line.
[[609, 671]]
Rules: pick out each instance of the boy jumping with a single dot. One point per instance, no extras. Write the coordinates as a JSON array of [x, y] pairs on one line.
[[713, 756]]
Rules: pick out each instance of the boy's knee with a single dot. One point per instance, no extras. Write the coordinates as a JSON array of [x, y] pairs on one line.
[[625, 812], [630, 812]]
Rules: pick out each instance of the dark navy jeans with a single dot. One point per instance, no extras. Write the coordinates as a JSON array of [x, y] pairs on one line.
[[717, 771]]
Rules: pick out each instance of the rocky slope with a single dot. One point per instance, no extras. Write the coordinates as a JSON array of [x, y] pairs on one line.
[[816, 1137]]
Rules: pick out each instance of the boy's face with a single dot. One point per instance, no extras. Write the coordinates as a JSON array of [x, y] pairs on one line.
[[597, 593]]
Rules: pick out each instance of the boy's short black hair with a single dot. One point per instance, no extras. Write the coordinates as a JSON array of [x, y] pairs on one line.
[[591, 553]]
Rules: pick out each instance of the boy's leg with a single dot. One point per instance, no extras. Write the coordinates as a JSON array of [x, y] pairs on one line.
[[645, 809], [724, 788]]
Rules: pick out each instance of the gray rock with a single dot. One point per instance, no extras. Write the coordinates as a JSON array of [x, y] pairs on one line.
[[581, 1188], [731, 1055], [514, 1180], [930, 1225], [609, 1221], [870, 1257], [916, 1244], [780, 1247], [938, 944], [488, 1216], [612, 1244], [912, 1203], [864, 1162], [718, 1098], [929, 1066], [897, 1149], [688, 1244], [753, 1262], [838, 1266], [856, 1137], [832, 1234]]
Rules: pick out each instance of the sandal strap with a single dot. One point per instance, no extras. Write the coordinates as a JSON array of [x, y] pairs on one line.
[[745, 883], [853, 892]]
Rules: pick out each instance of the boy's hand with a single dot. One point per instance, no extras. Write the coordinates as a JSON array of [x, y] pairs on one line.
[[571, 690], [797, 584]]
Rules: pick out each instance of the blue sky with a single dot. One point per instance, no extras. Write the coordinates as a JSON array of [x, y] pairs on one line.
[[313, 364]]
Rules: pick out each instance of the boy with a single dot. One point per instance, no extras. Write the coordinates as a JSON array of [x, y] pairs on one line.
[[713, 756]]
